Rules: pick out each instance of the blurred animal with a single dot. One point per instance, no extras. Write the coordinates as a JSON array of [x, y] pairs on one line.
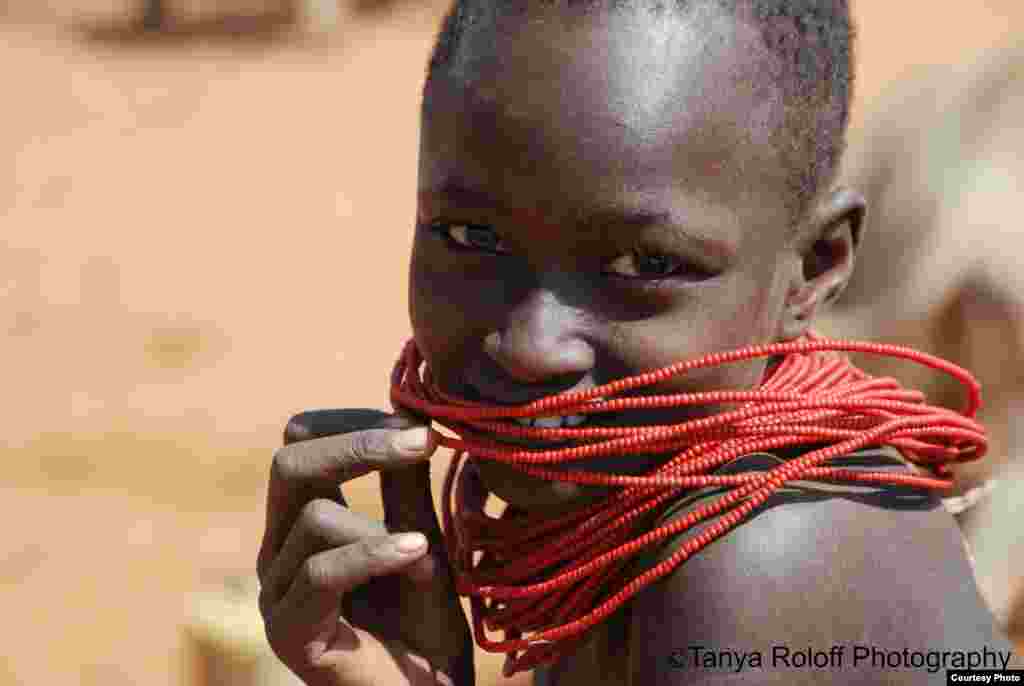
[[941, 160]]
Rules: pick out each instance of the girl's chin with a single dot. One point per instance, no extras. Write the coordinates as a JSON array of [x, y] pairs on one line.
[[554, 497], [530, 493]]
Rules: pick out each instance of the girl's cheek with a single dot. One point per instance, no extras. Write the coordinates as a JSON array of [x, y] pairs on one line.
[[450, 315], [691, 331]]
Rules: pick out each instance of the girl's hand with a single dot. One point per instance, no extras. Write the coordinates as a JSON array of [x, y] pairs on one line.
[[344, 602]]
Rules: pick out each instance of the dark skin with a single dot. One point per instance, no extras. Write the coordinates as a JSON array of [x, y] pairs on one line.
[[599, 196], [569, 175]]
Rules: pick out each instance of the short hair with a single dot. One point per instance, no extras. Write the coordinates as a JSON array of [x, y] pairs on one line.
[[812, 38]]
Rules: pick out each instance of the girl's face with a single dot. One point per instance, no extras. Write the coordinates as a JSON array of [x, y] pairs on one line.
[[598, 196]]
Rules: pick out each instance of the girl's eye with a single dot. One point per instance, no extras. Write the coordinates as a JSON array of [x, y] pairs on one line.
[[654, 266], [472, 237]]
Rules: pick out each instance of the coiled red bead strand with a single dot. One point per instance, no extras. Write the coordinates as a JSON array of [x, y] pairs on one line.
[[525, 574]]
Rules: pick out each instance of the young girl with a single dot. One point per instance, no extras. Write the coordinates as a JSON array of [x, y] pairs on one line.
[[607, 188]]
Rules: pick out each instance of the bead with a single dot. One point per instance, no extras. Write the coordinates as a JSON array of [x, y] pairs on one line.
[[534, 570]]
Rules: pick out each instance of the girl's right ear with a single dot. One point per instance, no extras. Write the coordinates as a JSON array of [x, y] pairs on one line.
[[827, 249]]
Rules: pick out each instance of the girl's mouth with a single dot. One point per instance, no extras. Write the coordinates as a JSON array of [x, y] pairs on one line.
[[571, 421], [567, 420], [556, 422]]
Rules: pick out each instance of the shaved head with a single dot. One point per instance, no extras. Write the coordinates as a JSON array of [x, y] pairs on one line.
[[802, 72]]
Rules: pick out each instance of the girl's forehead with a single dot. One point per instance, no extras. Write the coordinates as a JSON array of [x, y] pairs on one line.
[[617, 106], [633, 70]]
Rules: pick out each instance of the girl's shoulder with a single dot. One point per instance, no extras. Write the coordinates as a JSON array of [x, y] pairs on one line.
[[817, 565], [880, 459]]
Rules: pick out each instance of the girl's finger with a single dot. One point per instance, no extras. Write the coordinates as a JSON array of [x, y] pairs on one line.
[[313, 601]]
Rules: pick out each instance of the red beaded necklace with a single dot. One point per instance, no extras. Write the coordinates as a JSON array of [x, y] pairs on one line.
[[555, 578]]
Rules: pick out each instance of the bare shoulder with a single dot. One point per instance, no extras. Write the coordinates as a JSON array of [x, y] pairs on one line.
[[824, 573]]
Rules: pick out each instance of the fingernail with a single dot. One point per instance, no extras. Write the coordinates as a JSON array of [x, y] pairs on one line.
[[409, 543], [412, 442]]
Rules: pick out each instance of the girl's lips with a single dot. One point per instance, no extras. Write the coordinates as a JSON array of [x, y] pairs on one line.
[[584, 421], [556, 422], [485, 382], [560, 421]]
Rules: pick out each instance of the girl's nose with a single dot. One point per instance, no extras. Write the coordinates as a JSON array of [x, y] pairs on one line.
[[543, 339]]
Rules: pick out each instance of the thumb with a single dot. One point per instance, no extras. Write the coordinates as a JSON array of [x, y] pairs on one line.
[[408, 501], [409, 506]]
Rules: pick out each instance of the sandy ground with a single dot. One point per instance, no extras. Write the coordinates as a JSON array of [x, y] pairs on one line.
[[200, 238]]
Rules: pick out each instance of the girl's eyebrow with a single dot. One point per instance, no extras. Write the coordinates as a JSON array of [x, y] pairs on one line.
[[462, 193], [639, 219], [456, 192]]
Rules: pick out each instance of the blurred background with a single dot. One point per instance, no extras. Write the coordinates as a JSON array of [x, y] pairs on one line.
[[204, 229]]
